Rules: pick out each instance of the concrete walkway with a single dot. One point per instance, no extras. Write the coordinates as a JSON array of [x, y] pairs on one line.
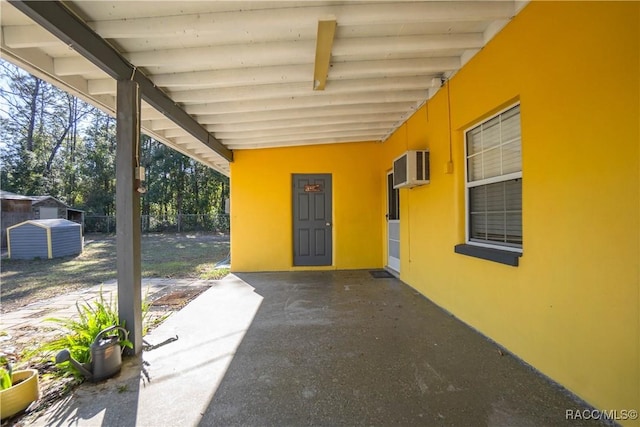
[[316, 348]]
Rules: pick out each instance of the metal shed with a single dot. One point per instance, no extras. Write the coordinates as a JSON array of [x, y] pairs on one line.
[[17, 208], [44, 238]]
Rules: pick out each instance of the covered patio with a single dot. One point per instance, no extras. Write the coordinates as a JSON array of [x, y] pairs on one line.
[[318, 348], [209, 78], [523, 221]]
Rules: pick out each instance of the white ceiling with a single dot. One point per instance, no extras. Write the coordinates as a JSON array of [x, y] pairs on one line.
[[244, 70]]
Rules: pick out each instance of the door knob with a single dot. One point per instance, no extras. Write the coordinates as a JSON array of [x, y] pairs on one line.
[[328, 224]]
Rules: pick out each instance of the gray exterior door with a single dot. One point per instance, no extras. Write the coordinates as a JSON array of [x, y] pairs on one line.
[[312, 224]]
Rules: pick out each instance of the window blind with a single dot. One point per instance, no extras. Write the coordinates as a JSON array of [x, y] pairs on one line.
[[494, 180]]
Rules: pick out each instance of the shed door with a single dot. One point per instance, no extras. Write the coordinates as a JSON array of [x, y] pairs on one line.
[[312, 236], [48, 213]]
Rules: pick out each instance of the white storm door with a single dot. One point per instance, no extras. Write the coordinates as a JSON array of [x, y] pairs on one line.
[[393, 225]]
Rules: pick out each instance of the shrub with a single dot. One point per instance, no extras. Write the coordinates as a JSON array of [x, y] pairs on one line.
[[93, 318]]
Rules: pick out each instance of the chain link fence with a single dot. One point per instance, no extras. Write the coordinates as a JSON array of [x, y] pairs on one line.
[[168, 223]]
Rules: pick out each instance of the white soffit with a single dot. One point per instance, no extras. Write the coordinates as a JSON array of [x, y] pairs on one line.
[[244, 70]]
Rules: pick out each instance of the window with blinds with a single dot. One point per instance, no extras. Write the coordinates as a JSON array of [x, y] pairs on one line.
[[494, 181]]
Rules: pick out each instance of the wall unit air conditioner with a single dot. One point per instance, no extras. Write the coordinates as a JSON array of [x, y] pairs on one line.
[[411, 169]]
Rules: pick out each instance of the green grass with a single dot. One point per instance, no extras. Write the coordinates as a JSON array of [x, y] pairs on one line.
[[163, 255]]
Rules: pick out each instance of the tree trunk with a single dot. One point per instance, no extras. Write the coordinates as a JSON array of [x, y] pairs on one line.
[[196, 193], [34, 108], [55, 149], [180, 195], [71, 180]]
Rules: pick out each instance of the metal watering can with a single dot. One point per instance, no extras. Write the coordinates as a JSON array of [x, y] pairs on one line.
[[106, 355]]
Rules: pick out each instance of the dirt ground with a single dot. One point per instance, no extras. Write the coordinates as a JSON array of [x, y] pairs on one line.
[[52, 386], [25, 282], [171, 255]]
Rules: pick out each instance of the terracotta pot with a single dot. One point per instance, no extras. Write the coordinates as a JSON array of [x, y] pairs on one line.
[[18, 397]]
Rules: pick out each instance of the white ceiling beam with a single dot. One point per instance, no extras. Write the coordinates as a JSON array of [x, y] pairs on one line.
[[73, 65], [306, 113], [235, 77], [176, 131], [310, 138], [199, 150], [102, 87], [246, 93], [397, 67], [94, 75], [161, 124], [520, 4], [492, 29], [466, 57], [149, 113], [229, 56], [395, 29], [371, 135], [318, 141], [224, 24], [311, 128], [385, 46], [25, 36], [294, 103], [195, 149], [57, 51], [303, 122], [352, 69], [122, 9], [188, 144], [404, 56]]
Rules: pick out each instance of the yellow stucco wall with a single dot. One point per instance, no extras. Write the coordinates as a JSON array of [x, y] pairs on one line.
[[262, 211], [571, 308]]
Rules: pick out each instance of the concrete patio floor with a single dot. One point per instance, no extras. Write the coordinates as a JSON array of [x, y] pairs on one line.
[[317, 348]]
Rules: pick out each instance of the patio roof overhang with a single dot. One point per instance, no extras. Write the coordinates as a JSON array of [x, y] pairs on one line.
[[227, 75]]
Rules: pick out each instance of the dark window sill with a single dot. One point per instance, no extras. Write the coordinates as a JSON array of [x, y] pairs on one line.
[[496, 255]]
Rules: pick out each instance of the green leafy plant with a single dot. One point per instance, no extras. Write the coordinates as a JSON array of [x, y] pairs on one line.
[[146, 306], [93, 317], [6, 380]]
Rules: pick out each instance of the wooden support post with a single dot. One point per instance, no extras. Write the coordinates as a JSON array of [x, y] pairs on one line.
[[128, 211]]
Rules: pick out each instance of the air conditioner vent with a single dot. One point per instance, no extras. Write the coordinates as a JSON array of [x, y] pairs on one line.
[[411, 169]]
